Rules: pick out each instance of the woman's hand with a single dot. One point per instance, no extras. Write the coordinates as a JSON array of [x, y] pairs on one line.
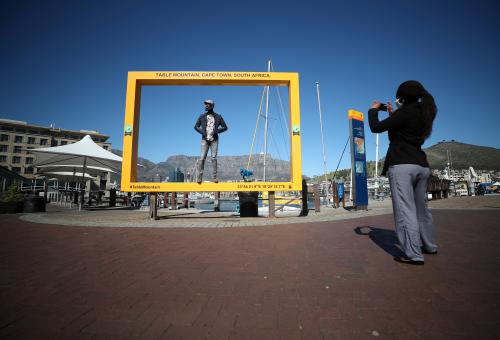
[[375, 105], [389, 108]]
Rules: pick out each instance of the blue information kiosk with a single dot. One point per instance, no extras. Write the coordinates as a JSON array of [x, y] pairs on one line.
[[359, 185]]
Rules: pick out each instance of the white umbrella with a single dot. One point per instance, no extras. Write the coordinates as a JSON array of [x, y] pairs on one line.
[[66, 175], [93, 170], [82, 156], [84, 152]]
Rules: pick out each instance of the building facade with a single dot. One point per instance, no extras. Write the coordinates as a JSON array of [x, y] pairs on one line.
[[175, 175], [17, 136]]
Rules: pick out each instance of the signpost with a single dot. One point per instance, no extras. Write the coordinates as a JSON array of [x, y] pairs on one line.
[[136, 80], [359, 185]]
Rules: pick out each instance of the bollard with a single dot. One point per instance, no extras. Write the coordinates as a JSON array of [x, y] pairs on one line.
[[335, 191], [173, 200], [45, 190], [217, 201], [112, 197], [153, 208], [317, 202], [271, 196], [305, 208]]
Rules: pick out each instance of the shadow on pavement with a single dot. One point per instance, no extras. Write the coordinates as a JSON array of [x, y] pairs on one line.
[[384, 238]]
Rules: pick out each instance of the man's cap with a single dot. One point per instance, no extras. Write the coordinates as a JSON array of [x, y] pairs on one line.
[[209, 101]]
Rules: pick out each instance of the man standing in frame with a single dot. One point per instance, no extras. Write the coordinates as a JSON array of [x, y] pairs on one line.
[[209, 125]]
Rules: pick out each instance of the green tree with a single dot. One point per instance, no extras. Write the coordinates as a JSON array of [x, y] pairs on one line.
[[13, 194]]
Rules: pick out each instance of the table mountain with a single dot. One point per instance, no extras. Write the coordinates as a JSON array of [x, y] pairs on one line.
[[228, 167]]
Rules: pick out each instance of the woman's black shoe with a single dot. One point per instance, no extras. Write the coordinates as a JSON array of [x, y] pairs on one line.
[[429, 252], [404, 259]]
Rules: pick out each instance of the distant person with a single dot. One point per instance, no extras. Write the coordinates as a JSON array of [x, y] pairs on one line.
[[407, 167], [209, 125]]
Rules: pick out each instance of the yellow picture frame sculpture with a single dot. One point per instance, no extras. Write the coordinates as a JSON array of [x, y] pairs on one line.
[[195, 78]]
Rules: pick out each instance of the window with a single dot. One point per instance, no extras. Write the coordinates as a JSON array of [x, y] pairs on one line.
[[16, 169], [16, 160], [43, 141], [31, 140], [29, 160], [3, 159], [63, 142], [17, 149], [18, 139], [3, 148], [105, 147], [4, 137], [28, 170]]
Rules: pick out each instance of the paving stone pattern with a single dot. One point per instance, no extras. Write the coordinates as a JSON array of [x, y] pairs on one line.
[[324, 280], [187, 218]]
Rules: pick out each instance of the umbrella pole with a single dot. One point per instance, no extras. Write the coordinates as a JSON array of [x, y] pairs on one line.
[[82, 189]]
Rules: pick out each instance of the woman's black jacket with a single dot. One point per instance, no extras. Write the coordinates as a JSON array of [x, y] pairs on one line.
[[406, 130]]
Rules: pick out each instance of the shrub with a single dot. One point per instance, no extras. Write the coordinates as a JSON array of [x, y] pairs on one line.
[[13, 194]]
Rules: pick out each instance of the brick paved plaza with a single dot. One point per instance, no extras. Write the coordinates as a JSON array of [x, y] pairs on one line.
[[320, 280]]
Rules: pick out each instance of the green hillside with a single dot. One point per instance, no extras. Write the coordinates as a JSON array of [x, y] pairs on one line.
[[463, 155]]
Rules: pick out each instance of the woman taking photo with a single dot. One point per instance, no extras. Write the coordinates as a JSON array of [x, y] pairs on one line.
[[407, 168]]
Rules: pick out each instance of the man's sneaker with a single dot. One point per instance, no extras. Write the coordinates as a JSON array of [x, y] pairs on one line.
[[199, 181], [215, 180]]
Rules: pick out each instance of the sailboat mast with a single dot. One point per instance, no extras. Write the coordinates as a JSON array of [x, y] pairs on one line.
[[266, 120], [321, 128]]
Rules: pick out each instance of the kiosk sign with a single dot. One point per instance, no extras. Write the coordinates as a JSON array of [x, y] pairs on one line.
[[359, 185]]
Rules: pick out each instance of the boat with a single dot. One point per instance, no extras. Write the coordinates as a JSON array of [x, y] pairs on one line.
[[280, 199], [285, 210]]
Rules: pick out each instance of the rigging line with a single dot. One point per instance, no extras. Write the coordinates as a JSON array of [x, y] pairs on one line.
[[281, 105], [282, 117], [285, 144], [270, 131], [321, 126], [273, 160], [256, 127], [341, 156], [269, 118], [276, 144]]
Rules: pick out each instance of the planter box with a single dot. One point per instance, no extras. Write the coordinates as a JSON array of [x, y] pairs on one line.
[[34, 204]]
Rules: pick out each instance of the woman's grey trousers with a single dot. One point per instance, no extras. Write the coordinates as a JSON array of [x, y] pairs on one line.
[[413, 220]]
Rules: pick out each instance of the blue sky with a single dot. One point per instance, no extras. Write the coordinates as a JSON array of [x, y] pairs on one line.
[[66, 62]]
